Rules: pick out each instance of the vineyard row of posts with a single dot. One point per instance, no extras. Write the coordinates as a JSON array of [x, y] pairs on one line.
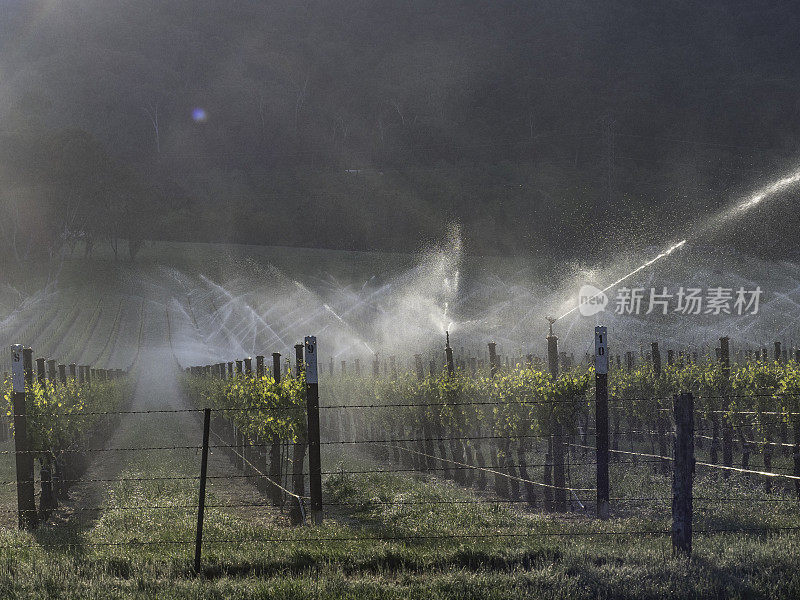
[[467, 426], [470, 427], [56, 418]]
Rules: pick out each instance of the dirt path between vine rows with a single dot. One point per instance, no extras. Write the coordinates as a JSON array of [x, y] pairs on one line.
[[178, 435]]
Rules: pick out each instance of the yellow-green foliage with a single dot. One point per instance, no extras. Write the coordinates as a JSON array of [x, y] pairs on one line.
[[59, 415], [258, 407], [515, 403], [789, 394], [757, 393]]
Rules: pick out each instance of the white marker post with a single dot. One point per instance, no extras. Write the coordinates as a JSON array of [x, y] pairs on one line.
[[312, 407], [17, 370], [601, 418], [26, 501]]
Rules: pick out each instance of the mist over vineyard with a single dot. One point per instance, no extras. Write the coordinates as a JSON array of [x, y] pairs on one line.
[[209, 303]]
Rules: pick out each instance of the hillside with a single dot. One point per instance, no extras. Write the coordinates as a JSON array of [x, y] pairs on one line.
[[321, 123]]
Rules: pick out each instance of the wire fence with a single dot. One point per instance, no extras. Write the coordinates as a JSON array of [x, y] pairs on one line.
[[521, 473]]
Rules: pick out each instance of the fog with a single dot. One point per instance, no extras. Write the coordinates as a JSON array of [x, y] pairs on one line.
[[222, 179]]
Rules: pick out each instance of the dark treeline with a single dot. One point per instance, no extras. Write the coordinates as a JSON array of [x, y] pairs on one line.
[[371, 125]]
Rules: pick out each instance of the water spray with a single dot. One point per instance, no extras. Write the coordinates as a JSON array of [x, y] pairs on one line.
[[743, 206], [664, 254], [348, 327], [773, 188]]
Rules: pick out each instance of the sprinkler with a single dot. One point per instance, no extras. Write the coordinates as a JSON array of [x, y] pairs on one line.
[[552, 320]]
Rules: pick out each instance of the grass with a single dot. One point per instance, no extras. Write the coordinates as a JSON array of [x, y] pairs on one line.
[[325, 561]]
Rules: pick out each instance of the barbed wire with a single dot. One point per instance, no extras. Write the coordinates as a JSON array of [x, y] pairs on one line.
[[68, 510], [702, 463], [388, 538], [88, 450], [748, 471], [611, 402], [496, 473], [252, 466], [754, 442], [421, 470]]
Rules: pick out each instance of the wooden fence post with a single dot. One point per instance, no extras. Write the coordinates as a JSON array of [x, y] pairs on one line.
[[559, 471], [298, 455], [259, 366], [62, 374], [655, 355], [727, 427], [493, 359], [449, 354], [796, 454], [497, 457], [248, 367], [51, 370], [601, 418], [40, 371], [629, 361], [456, 445], [683, 475], [22, 375], [276, 366], [46, 499], [312, 408], [276, 494]]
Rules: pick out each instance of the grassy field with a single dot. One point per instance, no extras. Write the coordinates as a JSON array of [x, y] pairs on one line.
[[536, 555], [385, 535]]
